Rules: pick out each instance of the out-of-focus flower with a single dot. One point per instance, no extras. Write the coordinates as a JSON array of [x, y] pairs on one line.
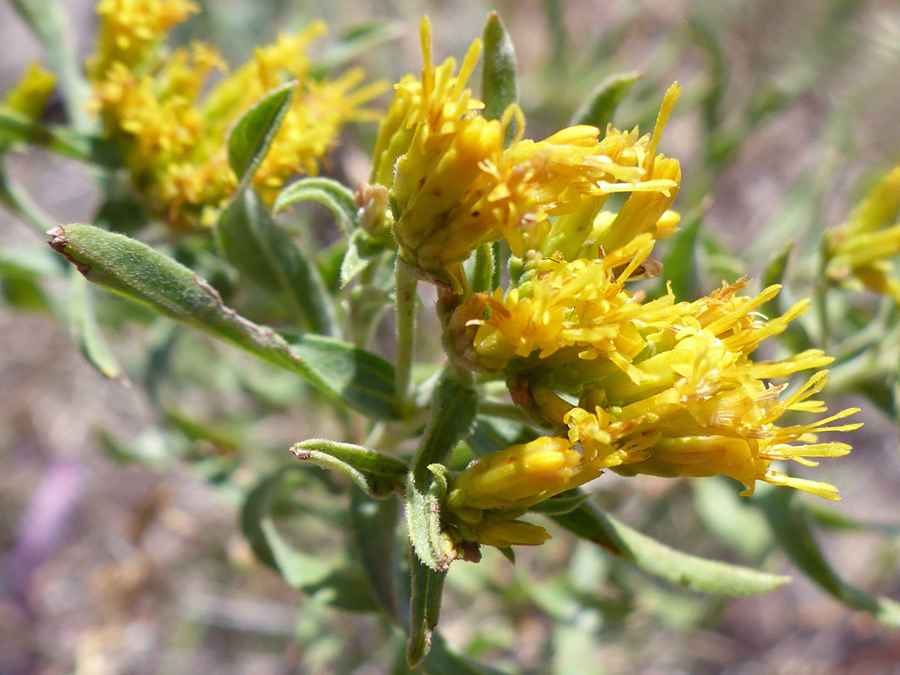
[[862, 247], [30, 94], [173, 135]]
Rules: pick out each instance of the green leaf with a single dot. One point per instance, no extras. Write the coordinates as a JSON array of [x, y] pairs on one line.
[[680, 267], [257, 505], [698, 574], [561, 504], [379, 476], [452, 416], [125, 266], [493, 433], [85, 330], [425, 604], [363, 250], [373, 528], [61, 140], [329, 193], [731, 518], [47, 21], [263, 251], [499, 89], [795, 536], [254, 131], [598, 108]]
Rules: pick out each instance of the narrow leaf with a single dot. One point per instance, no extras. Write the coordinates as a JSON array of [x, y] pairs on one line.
[[425, 602], [254, 131], [354, 42], [125, 266], [263, 251], [698, 574], [598, 108], [796, 538], [15, 198], [377, 475], [61, 140], [441, 661], [329, 193], [499, 89], [86, 331], [423, 521], [774, 274], [373, 528]]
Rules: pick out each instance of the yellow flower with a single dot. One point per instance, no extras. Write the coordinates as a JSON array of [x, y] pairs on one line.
[[453, 185], [173, 136], [863, 245]]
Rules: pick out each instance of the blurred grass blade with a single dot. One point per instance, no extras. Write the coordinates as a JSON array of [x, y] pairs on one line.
[[14, 197], [329, 193], [499, 88], [353, 42], [698, 574], [15, 126], [253, 133], [793, 533], [373, 528], [772, 274], [425, 604], [130, 268], [379, 476], [598, 108], [48, 22], [84, 328], [441, 661], [262, 250]]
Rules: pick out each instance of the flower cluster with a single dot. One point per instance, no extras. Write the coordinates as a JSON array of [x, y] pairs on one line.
[[618, 381], [154, 104]]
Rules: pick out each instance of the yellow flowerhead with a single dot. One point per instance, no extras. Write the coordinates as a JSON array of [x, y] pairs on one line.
[[863, 246]]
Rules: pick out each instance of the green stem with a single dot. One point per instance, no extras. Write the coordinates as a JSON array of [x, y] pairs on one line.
[[405, 290], [508, 411]]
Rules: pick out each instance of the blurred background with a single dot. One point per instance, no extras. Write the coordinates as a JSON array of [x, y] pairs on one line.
[[120, 549]]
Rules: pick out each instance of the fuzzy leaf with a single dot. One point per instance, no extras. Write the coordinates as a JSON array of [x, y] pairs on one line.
[[699, 574], [598, 108], [132, 269], [263, 251], [425, 604], [254, 131], [379, 476], [329, 193], [499, 88]]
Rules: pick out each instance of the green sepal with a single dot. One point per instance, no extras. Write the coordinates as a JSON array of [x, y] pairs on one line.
[[252, 134], [324, 191], [254, 243], [138, 272], [598, 107], [483, 269], [379, 476], [698, 574]]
